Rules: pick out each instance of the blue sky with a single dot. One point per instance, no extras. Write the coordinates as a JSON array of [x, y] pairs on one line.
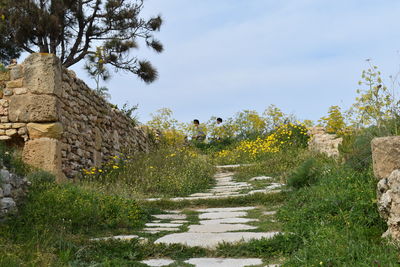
[[222, 56]]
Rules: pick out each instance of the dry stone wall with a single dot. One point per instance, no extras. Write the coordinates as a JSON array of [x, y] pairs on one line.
[[62, 125]]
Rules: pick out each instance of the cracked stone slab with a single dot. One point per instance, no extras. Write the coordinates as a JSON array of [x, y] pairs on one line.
[[233, 209], [222, 215], [163, 225], [117, 237], [211, 240], [223, 262], [228, 221], [261, 178], [170, 216], [202, 195], [158, 262], [219, 228]]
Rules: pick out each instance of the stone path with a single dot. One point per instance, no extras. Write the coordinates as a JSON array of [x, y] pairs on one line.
[[213, 225], [226, 188]]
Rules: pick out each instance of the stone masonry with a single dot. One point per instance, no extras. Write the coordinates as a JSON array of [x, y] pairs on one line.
[[60, 123]]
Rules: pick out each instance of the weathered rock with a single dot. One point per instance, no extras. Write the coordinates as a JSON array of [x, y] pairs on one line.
[[44, 153], [170, 216], [385, 155], [43, 74], [40, 130], [222, 215], [33, 108], [8, 204], [388, 192], [323, 142]]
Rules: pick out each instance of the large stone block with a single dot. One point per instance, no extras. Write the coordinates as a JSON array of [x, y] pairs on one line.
[[50, 130], [44, 153], [42, 73], [385, 155], [33, 108]]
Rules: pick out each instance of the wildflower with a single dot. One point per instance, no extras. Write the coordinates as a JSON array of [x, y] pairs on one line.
[[115, 167]]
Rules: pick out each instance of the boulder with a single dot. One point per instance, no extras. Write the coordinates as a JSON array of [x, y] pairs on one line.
[[40, 130], [385, 155]]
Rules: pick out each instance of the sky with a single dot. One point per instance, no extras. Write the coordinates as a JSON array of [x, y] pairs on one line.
[[223, 56]]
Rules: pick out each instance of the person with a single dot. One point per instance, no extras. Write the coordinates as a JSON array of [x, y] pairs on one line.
[[219, 120], [199, 134]]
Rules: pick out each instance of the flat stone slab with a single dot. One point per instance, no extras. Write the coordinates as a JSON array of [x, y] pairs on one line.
[[170, 216], [221, 262], [233, 209], [117, 237], [163, 224], [228, 221], [222, 215], [269, 212], [211, 240], [158, 262], [261, 178], [179, 221], [159, 229], [219, 228]]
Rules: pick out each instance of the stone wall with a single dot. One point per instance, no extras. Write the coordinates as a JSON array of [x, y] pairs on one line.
[[59, 122], [323, 142], [12, 189]]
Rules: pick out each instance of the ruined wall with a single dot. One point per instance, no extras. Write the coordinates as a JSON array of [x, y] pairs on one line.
[[62, 125], [323, 142]]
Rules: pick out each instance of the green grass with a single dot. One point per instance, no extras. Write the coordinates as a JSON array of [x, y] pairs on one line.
[[337, 221], [166, 172]]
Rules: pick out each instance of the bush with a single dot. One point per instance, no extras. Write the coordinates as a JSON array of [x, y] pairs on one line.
[[310, 171]]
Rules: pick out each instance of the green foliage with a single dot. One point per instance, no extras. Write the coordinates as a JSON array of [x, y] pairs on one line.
[[10, 159], [249, 124], [69, 29], [375, 103], [334, 122], [305, 175], [338, 221]]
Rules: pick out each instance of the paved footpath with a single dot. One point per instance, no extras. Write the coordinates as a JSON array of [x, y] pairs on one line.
[[214, 225]]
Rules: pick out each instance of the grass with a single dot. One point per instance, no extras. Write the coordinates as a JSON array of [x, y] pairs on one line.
[[167, 172]]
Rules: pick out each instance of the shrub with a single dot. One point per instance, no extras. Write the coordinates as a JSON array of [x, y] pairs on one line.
[[305, 175]]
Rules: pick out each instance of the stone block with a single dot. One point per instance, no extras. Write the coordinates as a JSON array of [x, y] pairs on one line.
[[8, 203], [50, 130], [6, 189], [43, 74], [44, 153], [7, 92], [4, 138], [33, 108], [385, 155], [11, 132], [15, 83]]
